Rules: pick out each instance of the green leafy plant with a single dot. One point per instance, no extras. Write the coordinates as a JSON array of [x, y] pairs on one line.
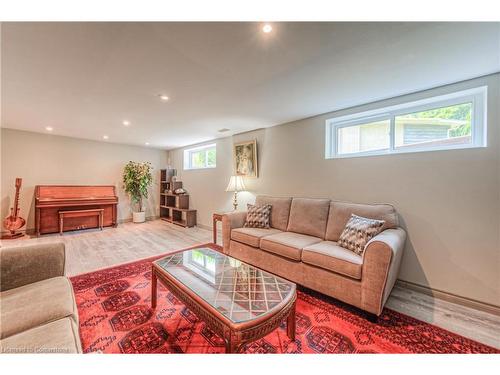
[[137, 178]]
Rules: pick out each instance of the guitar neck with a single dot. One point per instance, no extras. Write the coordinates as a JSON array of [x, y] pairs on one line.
[[16, 199]]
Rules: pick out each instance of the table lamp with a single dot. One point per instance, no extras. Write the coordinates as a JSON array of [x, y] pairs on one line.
[[235, 184]]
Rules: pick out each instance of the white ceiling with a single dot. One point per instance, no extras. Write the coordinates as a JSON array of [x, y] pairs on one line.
[[84, 79]]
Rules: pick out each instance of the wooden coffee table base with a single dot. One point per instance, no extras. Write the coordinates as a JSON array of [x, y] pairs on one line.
[[235, 335]]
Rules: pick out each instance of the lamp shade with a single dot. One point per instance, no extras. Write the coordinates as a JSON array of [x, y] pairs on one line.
[[235, 184]]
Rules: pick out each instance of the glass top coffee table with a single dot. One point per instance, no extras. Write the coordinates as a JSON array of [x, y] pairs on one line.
[[239, 302]]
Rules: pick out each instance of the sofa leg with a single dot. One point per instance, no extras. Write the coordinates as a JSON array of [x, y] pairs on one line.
[[372, 318]]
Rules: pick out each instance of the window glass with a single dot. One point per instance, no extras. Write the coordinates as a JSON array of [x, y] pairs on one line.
[[364, 138], [442, 126], [200, 157], [450, 121]]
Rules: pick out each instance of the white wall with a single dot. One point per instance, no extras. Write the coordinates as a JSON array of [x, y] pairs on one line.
[[41, 159], [449, 201]]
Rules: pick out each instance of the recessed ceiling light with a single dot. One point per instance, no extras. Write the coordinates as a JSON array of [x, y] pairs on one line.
[[147, 143], [267, 28], [49, 128], [163, 97], [126, 123], [105, 137]]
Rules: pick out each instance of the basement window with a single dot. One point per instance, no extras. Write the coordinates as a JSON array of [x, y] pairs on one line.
[[200, 157], [452, 121]]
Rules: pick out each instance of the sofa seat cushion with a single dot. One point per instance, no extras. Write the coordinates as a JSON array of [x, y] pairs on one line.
[[251, 236], [330, 256], [60, 337], [35, 304], [287, 244]]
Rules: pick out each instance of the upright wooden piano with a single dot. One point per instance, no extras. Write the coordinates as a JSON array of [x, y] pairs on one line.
[[50, 200]]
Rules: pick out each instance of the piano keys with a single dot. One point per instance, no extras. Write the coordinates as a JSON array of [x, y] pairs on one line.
[[52, 199]]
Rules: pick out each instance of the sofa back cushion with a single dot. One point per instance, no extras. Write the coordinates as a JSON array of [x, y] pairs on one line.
[[340, 213], [309, 216], [280, 210]]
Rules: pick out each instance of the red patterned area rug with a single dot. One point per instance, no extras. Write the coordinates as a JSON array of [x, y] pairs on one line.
[[115, 317]]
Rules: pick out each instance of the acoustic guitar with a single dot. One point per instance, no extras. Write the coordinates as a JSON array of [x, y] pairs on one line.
[[13, 222]]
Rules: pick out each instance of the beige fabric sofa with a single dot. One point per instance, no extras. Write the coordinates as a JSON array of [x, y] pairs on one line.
[[301, 246], [38, 311]]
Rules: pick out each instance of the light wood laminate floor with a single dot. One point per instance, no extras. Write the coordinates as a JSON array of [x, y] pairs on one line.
[[93, 249]]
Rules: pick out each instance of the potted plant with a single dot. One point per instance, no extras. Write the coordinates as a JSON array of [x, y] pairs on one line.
[[137, 178]]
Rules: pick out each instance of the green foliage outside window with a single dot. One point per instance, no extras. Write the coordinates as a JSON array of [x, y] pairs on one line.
[[211, 156], [454, 112], [203, 158], [460, 112], [198, 159]]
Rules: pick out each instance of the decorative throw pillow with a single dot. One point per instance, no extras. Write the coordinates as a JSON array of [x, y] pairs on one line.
[[358, 231], [258, 216]]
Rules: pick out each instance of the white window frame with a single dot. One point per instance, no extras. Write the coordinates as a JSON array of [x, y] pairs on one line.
[[476, 96], [188, 159]]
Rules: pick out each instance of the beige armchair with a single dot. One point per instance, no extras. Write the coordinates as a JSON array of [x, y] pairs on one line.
[[38, 309]]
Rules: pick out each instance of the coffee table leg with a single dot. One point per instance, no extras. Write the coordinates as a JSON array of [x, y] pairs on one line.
[[229, 348], [153, 290], [231, 340], [232, 347], [290, 323]]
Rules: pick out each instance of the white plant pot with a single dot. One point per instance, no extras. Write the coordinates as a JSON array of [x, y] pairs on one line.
[[139, 217]]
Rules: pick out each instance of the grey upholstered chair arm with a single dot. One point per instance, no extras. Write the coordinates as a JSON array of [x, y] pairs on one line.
[[28, 264]]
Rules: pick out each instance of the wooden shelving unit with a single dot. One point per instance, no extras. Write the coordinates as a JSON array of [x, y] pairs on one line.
[[174, 208]]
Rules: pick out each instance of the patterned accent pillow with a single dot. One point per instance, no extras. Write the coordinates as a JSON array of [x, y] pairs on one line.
[[358, 231], [258, 216]]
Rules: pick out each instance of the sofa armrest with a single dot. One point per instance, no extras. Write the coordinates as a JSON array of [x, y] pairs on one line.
[[23, 265], [381, 261], [231, 220]]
